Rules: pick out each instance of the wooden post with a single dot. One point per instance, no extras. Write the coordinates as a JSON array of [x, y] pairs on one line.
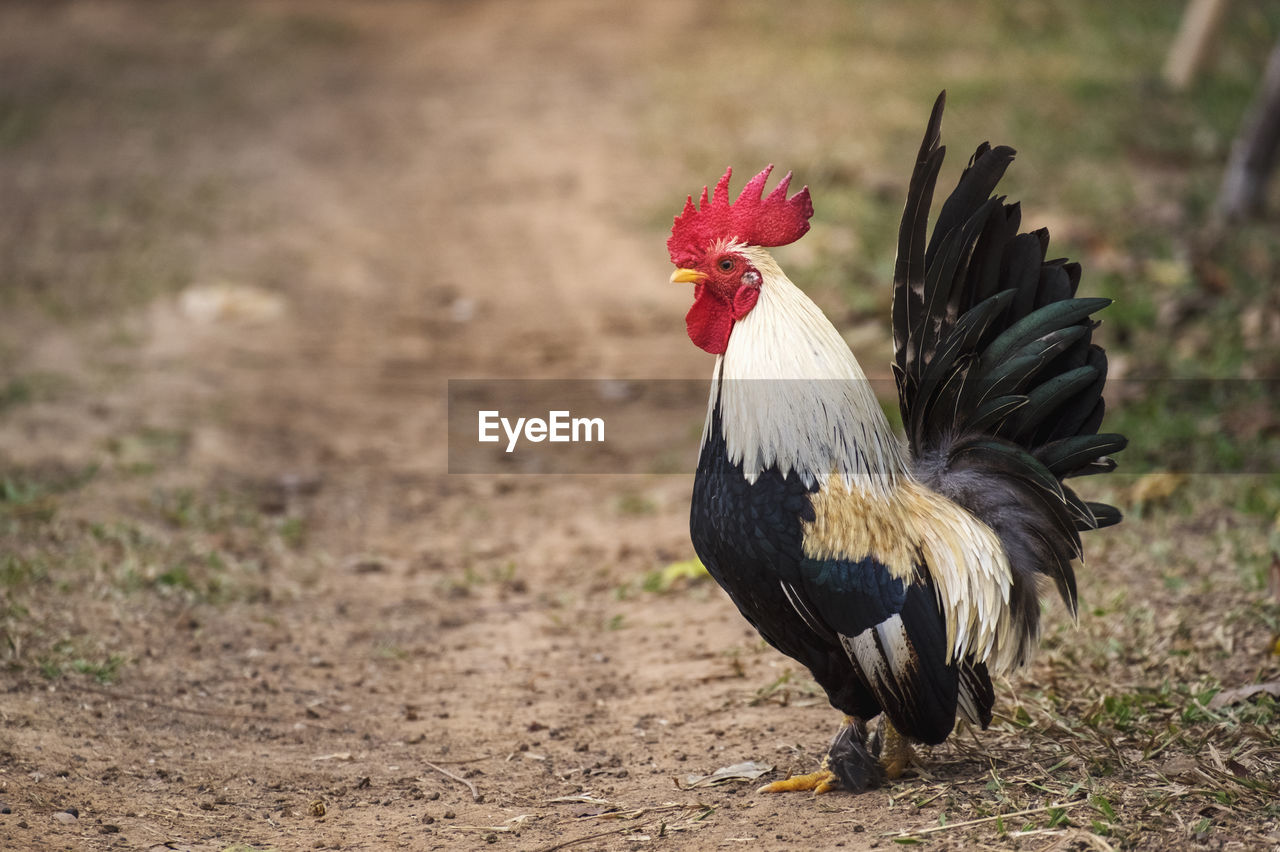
[[1187, 54], [1253, 154]]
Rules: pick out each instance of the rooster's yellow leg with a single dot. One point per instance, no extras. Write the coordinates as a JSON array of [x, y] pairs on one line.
[[896, 753]]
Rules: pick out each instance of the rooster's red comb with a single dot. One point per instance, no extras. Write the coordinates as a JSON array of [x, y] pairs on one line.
[[772, 221]]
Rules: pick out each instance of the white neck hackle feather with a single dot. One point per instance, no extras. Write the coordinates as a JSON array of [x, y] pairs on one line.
[[792, 396]]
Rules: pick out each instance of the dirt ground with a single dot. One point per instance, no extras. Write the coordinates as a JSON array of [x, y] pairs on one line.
[[288, 626]]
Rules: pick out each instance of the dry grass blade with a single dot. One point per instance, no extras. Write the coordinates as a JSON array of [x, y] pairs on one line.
[[475, 794], [983, 820], [693, 814], [565, 844], [509, 825], [579, 800], [637, 813]]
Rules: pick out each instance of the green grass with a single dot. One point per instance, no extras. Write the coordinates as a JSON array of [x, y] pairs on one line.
[[21, 121], [39, 386], [17, 391], [148, 449], [637, 505], [17, 571], [32, 494], [173, 548]]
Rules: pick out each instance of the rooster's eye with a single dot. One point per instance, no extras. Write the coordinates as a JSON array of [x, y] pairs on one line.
[[726, 264]]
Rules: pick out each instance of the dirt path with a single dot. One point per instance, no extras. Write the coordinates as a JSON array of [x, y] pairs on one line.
[[430, 193]]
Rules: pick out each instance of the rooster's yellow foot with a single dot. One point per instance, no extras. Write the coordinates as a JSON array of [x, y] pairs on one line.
[[822, 781]]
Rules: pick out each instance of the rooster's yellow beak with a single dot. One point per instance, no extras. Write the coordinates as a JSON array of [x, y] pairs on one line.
[[687, 276]]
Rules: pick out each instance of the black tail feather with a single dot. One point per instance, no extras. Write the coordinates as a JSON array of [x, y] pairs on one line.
[[909, 270], [1105, 515], [986, 167], [999, 381]]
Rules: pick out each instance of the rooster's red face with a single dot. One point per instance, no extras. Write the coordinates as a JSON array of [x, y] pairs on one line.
[[706, 245], [727, 286]]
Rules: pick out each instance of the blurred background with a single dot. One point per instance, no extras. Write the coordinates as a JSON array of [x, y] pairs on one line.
[[245, 245]]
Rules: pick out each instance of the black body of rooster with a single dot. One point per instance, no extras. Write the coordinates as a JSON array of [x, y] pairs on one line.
[[902, 577]]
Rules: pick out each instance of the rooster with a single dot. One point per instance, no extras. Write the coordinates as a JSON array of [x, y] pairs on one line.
[[903, 577]]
